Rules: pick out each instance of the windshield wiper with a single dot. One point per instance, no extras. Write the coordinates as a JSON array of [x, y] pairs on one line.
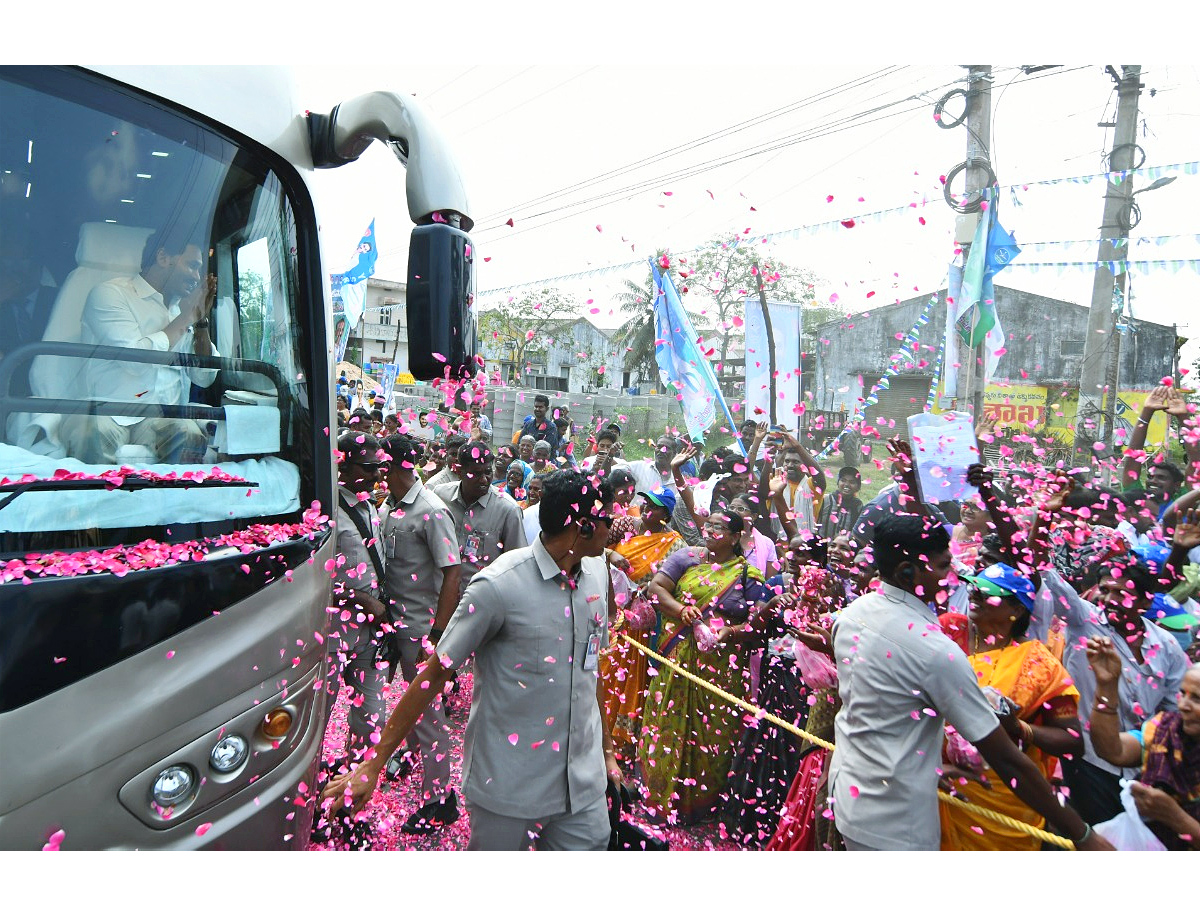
[[133, 483]]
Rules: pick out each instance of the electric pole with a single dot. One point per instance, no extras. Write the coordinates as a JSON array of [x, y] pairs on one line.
[[1098, 380], [978, 179]]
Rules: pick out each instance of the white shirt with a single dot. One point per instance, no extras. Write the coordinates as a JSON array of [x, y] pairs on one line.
[[1146, 687], [533, 525], [799, 499], [614, 462], [646, 477], [128, 312]]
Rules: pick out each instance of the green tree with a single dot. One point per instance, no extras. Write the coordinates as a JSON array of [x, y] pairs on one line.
[[521, 328], [253, 312], [721, 277]]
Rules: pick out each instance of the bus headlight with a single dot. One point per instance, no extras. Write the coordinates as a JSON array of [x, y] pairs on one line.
[[173, 785], [229, 753]]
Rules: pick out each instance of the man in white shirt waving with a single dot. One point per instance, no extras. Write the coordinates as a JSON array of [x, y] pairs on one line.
[[164, 308]]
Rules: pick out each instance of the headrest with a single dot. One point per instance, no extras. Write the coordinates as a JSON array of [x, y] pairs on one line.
[[114, 248]]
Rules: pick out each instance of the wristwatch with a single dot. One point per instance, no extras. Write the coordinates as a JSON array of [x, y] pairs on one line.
[[201, 323]]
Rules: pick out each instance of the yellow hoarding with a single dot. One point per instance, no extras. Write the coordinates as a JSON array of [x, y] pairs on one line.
[[1028, 407]]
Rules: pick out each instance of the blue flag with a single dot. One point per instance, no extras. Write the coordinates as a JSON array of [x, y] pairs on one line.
[[680, 362], [351, 285], [364, 257]]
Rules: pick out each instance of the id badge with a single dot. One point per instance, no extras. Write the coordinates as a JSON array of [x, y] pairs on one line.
[[591, 659], [474, 546]]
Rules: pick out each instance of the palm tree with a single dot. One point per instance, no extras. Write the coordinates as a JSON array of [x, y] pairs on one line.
[[637, 335]]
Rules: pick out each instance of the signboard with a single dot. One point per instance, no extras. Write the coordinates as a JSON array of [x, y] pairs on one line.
[[1017, 406]]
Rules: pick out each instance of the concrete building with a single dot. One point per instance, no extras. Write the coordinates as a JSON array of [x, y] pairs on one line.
[[579, 358], [383, 332], [1034, 384]]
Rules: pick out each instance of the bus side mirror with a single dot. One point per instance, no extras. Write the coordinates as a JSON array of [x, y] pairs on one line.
[[441, 303]]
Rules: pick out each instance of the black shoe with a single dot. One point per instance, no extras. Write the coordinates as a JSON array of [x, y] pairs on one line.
[[358, 835], [432, 816], [399, 767]]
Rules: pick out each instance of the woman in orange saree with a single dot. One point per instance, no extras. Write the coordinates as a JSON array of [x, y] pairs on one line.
[[642, 545], [1035, 700]]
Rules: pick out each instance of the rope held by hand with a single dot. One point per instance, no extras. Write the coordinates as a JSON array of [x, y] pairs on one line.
[[1024, 827]]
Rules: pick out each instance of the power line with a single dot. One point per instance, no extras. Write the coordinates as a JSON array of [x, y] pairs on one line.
[[528, 101], [616, 195], [457, 77], [494, 87], [701, 141], [699, 168]]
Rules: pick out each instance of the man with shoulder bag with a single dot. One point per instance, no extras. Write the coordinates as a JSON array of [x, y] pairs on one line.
[[361, 642]]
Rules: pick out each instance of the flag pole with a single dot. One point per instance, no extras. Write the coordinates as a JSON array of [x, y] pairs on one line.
[[714, 384]]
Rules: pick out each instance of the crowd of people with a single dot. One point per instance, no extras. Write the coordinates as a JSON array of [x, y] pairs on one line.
[[1024, 649]]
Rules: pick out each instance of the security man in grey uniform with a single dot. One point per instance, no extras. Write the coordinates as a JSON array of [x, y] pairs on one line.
[[538, 756], [421, 550], [488, 523]]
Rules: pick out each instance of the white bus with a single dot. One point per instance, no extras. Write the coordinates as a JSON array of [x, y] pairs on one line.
[[166, 463]]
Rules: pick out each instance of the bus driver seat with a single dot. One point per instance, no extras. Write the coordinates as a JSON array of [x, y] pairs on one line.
[[105, 251]]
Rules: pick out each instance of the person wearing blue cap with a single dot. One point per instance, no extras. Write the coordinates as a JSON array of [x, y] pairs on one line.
[[900, 679], [1174, 619], [1034, 699], [639, 545]]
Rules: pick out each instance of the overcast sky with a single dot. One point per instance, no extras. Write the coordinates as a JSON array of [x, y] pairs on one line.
[[863, 135]]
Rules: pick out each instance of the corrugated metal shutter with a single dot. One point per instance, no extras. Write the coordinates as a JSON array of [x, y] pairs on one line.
[[905, 397]]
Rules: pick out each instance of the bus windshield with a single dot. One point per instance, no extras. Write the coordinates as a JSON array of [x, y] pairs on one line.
[[149, 323]]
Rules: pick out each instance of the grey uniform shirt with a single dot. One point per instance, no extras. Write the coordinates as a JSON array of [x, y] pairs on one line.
[[490, 526], [900, 679], [534, 741], [445, 475], [1145, 688], [418, 542], [355, 572]]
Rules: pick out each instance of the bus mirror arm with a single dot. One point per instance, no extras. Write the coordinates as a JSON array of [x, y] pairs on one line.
[[434, 186]]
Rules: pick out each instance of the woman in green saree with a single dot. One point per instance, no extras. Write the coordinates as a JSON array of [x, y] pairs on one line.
[[705, 596]]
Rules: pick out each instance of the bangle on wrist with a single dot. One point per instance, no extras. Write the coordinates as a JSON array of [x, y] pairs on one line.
[[1026, 731], [1087, 833]]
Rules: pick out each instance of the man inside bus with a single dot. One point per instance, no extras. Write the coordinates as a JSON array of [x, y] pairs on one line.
[[164, 308]]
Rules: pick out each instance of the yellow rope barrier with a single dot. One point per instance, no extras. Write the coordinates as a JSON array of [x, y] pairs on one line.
[[1002, 819]]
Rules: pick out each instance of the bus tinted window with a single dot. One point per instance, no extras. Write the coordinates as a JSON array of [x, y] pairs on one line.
[[148, 322]]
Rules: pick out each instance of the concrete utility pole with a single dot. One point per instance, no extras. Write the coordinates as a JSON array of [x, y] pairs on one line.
[[979, 148], [1098, 380]]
